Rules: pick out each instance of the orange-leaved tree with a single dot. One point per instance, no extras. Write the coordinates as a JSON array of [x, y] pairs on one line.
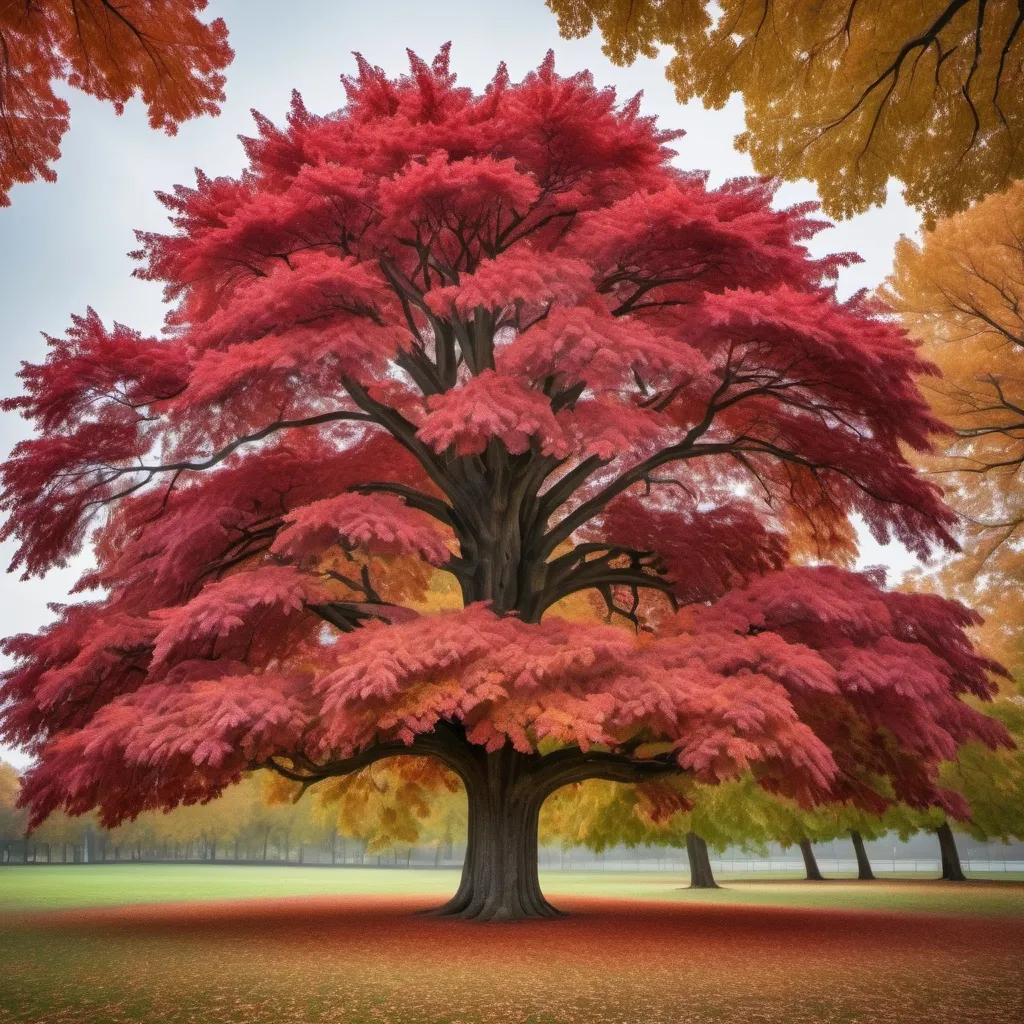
[[111, 49], [961, 293], [847, 93]]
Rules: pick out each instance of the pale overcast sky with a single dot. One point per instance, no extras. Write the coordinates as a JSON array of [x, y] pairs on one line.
[[65, 245]]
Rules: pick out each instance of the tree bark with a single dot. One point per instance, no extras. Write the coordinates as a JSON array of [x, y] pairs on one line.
[[810, 864], [951, 869], [701, 876], [864, 872], [499, 877]]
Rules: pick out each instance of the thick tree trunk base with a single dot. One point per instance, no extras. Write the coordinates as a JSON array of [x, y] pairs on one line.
[[864, 872], [499, 877], [701, 875], [484, 908]]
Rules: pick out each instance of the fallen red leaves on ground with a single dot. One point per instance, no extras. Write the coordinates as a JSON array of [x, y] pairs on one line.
[[342, 959]]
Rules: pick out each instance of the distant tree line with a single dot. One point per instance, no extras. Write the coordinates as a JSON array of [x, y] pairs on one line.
[[253, 821]]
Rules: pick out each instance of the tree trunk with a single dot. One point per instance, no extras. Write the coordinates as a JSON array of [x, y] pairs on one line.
[[499, 876], [701, 876], [811, 865], [864, 872], [951, 869]]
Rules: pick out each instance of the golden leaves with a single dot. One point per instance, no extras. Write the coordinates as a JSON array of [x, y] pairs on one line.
[[847, 93]]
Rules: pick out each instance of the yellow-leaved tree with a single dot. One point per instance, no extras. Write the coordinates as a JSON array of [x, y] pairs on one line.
[[847, 93]]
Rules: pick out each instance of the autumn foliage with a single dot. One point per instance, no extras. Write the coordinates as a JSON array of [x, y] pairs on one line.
[[114, 50], [848, 93], [436, 365], [961, 294]]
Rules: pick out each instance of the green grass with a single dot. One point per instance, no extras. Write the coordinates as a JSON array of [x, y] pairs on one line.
[[56, 887], [93, 885]]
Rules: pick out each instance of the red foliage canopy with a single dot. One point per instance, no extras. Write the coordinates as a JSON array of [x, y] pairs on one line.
[[500, 334]]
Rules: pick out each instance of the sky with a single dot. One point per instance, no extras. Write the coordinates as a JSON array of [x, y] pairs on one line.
[[65, 245]]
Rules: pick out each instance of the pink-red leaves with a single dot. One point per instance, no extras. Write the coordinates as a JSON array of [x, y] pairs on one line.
[[244, 600], [585, 343], [380, 523], [491, 405], [516, 275]]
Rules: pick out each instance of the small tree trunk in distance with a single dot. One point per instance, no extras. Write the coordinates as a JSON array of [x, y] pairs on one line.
[[951, 869], [864, 872], [811, 865], [701, 876]]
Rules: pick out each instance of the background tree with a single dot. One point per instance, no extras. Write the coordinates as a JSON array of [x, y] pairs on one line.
[[992, 784], [847, 93], [68, 834], [961, 294], [12, 818], [732, 814], [494, 347], [111, 49]]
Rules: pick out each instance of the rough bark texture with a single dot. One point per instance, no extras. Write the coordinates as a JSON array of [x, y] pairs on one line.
[[864, 872], [951, 869], [810, 863], [499, 876], [701, 876]]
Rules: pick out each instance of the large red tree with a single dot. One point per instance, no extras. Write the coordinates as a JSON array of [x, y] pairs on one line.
[[499, 337]]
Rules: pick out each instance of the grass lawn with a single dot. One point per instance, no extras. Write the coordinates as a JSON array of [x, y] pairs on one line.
[[109, 944], [45, 887]]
